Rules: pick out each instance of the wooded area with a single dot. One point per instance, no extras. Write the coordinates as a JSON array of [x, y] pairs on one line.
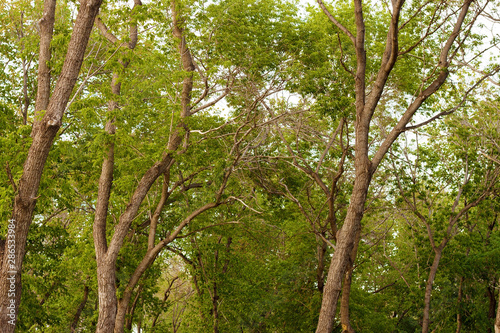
[[249, 166]]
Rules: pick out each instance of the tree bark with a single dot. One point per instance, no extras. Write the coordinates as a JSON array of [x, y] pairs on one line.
[[25, 200], [46, 32], [345, 245], [74, 325], [320, 271], [344, 303], [105, 275], [346, 291], [106, 270], [365, 108], [490, 293], [497, 320]]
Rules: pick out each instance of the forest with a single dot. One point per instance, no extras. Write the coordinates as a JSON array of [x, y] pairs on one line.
[[249, 166]]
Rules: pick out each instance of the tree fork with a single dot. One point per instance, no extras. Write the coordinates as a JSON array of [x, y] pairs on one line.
[[45, 131]]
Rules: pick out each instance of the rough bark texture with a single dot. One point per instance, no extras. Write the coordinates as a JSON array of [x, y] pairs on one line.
[[364, 167], [112, 312], [428, 290], [43, 138], [74, 325], [459, 301], [497, 320]]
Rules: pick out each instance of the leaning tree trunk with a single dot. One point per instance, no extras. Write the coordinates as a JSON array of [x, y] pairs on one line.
[[459, 303], [428, 289], [346, 290], [366, 104], [497, 320], [111, 311], [345, 244], [320, 270], [45, 132]]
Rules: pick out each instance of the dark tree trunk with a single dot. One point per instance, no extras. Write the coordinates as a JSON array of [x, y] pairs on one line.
[[346, 291], [320, 271], [459, 301], [366, 105]]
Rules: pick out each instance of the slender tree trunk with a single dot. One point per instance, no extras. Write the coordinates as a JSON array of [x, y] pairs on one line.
[[345, 244], [131, 311], [74, 325], [428, 289], [123, 303], [497, 319], [346, 290], [215, 307], [490, 293], [365, 109], [43, 138], [173, 145], [106, 275], [106, 270], [460, 295], [344, 303], [320, 271], [46, 33]]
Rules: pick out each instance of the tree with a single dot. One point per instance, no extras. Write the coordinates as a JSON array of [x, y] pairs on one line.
[[195, 72], [433, 204]]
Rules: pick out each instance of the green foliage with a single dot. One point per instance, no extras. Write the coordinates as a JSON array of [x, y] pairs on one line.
[[289, 85]]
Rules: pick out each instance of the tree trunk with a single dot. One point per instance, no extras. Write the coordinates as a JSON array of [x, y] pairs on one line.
[[215, 308], [130, 319], [460, 295], [105, 273], [428, 289], [123, 304], [151, 176], [344, 303], [346, 290], [490, 291], [46, 33], [497, 320], [345, 244], [365, 108], [74, 325], [25, 200], [320, 271]]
